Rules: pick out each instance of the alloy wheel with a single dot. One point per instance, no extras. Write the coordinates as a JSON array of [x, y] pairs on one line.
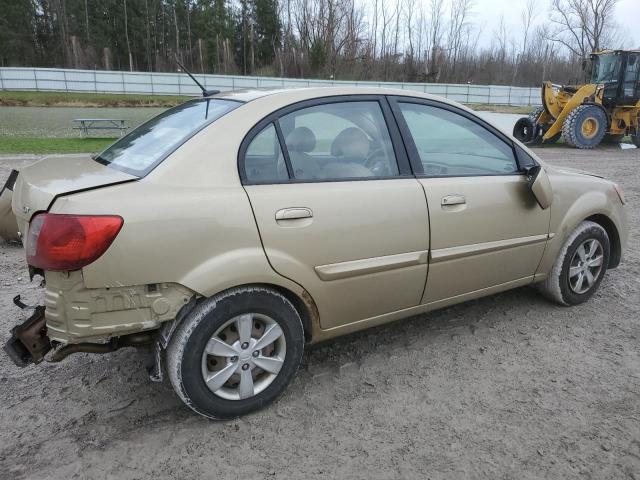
[[585, 265], [243, 356]]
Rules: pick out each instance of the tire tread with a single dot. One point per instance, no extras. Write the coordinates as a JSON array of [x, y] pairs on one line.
[[175, 349]]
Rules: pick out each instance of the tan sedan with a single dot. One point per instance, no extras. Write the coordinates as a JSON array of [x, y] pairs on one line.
[[232, 230]]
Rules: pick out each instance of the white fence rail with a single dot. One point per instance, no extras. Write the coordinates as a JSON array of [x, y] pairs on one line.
[[101, 81]]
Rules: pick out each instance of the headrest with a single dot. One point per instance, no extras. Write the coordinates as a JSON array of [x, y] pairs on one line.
[[351, 142], [301, 139]]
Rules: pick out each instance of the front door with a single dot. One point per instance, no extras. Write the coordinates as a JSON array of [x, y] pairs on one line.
[[486, 228], [630, 88], [337, 207]]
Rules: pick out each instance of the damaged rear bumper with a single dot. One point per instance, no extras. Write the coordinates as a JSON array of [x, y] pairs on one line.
[[29, 342]]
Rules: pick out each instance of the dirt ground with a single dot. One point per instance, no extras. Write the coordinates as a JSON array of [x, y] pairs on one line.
[[506, 387]]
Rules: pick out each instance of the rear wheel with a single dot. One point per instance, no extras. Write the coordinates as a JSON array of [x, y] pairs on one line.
[[585, 126], [580, 266], [236, 352]]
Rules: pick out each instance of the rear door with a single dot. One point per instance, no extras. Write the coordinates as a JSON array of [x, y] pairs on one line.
[[486, 228], [337, 207]]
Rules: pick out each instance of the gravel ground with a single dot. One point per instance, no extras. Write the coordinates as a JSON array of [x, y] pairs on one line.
[[504, 387]]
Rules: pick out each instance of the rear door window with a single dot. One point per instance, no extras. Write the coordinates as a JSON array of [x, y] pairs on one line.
[[339, 141], [264, 161], [145, 147]]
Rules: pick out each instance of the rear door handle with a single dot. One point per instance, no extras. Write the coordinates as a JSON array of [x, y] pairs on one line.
[[453, 200], [294, 213]]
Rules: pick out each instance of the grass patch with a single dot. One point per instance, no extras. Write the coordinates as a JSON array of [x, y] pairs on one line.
[[53, 145], [63, 99]]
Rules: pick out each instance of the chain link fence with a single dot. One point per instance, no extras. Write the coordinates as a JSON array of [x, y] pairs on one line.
[[101, 81]]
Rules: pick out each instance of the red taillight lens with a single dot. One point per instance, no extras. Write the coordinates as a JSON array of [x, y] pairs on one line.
[[69, 242]]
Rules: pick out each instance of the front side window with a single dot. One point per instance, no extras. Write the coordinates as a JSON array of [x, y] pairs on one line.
[[450, 144], [347, 140], [146, 146], [606, 68]]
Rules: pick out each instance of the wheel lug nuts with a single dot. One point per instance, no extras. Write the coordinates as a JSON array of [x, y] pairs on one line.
[[245, 345], [245, 366], [256, 353], [234, 359]]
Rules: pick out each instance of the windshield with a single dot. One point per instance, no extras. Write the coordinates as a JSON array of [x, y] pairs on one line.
[[149, 144], [606, 68]]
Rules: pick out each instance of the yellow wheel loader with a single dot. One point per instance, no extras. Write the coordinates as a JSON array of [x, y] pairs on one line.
[[605, 109]]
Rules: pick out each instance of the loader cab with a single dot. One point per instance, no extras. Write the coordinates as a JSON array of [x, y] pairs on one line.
[[619, 72]]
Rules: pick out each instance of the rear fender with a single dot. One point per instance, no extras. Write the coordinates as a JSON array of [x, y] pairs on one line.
[[8, 222]]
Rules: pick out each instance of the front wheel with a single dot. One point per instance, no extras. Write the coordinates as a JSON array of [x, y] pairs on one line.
[[236, 352], [585, 126], [580, 266]]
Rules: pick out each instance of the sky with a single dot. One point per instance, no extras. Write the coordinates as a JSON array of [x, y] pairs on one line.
[[487, 13]]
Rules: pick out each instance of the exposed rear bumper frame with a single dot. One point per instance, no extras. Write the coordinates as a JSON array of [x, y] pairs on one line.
[[29, 342]]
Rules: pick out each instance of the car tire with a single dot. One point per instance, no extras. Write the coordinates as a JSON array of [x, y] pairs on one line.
[[199, 339], [585, 126], [561, 285]]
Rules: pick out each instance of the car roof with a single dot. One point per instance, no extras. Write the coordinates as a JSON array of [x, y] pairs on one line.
[[308, 93]]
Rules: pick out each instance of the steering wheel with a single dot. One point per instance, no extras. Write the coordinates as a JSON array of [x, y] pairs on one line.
[[377, 161]]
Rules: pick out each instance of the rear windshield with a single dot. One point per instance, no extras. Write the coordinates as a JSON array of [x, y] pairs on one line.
[[145, 147]]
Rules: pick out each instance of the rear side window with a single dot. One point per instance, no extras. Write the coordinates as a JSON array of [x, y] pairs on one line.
[[145, 147], [342, 140], [450, 144], [263, 161]]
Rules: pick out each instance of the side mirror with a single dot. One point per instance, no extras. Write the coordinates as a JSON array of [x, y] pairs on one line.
[[539, 186]]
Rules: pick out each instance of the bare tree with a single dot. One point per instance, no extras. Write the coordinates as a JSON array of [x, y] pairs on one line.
[[527, 17], [436, 8], [458, 22], [582, 26], [126, 34]]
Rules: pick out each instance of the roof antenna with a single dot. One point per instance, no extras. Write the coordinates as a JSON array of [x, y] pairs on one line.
[[205, 92]]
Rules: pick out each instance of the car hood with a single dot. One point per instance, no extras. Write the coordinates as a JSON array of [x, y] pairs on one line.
[[38, 185], [574, 171]]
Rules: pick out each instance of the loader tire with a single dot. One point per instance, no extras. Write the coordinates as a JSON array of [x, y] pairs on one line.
[[535, 114], [541, 129], [585, 126]]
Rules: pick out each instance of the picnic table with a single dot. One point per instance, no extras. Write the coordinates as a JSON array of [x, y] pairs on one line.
[[86, 124]]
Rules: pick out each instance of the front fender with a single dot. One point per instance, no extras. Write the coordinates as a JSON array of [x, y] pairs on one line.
[[565, 217]]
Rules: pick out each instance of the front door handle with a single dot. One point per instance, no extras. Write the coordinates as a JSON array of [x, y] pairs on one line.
[[453, 200], [294, 213]]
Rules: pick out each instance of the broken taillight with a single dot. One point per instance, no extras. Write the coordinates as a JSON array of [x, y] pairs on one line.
[[69, 242]]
